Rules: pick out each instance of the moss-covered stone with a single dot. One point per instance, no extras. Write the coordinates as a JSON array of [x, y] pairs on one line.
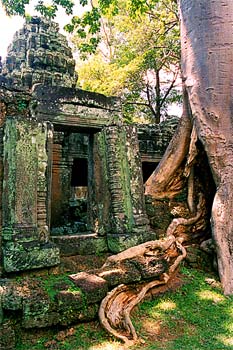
[[7, 337], [159, 214], [197, 258], [116, 276], [94, 288], [81, 244], [118, 243], [39, 54], [16, 257]]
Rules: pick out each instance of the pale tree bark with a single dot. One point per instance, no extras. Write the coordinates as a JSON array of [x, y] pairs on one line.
[[207, 58], [166, 181]]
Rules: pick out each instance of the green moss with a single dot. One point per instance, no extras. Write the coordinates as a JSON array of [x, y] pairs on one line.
[[102, 153], [9, 183], [53, 284], [125, 182], [104, 221], [22, 146], [182, 196], [22, 105], [18, 258]]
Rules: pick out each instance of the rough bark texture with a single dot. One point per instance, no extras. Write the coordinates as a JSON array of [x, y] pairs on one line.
[[207, 54], [157, 261], [166, 180]]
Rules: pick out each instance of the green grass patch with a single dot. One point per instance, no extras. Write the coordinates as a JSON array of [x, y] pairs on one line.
[[197, 316]]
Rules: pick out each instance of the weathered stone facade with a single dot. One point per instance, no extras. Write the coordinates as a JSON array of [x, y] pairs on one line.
[[39, 54], [71, 183], [71, 176]]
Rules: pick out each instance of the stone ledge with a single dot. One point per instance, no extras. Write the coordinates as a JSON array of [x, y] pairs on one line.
[[117, 242], [80, 244], [17, 258]]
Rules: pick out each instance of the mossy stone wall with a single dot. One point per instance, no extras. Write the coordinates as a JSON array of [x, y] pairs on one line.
[[25, 213]]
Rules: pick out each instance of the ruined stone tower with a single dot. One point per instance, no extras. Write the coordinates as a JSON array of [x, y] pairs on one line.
[[39, 54], [71, 179]]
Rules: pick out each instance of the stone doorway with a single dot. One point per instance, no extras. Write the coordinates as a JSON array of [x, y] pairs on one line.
[[148, 167], [71, 183]]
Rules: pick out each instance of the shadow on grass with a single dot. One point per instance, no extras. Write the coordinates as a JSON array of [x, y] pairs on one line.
[[195, 317]]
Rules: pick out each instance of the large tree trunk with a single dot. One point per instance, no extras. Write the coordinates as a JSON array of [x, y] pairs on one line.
[[207, 58]]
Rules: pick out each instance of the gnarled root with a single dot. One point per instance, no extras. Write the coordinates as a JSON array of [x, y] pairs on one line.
[[189, 221], [115, 309]]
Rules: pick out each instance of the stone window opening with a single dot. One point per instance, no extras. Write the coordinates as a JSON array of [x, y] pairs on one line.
[[79, 175]]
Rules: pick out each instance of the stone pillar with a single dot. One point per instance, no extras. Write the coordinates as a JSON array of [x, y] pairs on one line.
[[101, 197], [26, 180], [129, 222], [61, 174]]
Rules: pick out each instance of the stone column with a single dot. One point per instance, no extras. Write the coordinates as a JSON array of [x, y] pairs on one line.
[[129, 222], [61, 174], [25, 196]]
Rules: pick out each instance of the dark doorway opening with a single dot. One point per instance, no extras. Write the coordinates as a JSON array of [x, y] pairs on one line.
[[147, 169], [79, 175], [70, 183]]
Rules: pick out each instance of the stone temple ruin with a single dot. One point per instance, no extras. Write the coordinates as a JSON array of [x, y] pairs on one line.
[[71, 170]]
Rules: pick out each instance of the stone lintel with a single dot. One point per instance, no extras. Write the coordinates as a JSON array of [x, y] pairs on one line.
[[58, 94], [80, 244], [67, 107]]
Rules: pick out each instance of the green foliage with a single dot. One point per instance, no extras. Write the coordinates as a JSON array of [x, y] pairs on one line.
[[137, 58], [17, 7], [14, 7], [48, 11]]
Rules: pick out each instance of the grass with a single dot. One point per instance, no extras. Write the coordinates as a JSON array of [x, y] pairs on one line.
[[195, 317], [198, 316]]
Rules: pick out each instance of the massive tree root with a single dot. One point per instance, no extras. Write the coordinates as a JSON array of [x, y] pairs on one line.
[[174, 172], [115, 309]]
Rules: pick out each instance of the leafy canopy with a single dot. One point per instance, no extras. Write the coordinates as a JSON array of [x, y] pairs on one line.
[[17, 7], [137, 57]]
